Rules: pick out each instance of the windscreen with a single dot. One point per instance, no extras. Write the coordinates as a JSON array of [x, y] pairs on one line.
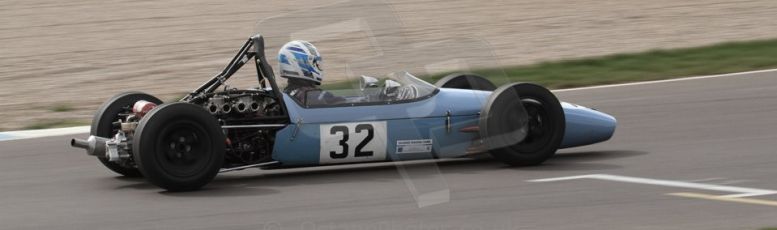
[[397, 87]]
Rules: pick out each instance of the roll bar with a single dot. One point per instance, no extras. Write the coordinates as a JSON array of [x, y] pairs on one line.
[[252, 49]]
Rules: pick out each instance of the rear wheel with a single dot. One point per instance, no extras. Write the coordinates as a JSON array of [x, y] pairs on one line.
[[522, 124], [465, 81], [102, 125], [179, 147]]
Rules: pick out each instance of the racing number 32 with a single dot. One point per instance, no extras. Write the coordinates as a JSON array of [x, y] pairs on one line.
[[344, 141], [352, 142]]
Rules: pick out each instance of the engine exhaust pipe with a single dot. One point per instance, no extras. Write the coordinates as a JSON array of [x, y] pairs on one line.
[[79, 143], [94, 145]]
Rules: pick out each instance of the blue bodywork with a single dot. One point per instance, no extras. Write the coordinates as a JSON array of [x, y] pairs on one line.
[[300, 143]]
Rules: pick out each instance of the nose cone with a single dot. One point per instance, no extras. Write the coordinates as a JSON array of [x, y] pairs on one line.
[[586, 126]]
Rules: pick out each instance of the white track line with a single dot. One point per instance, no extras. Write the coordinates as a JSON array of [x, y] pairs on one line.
[[36, 133], [670, 80], [25, 134], [738, 191]]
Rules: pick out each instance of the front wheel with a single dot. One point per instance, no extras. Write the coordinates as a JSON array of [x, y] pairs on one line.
[[522, 124], [179, 147]]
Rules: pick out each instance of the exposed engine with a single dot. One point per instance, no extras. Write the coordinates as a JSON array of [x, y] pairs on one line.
[[240, 103], [244, 107]]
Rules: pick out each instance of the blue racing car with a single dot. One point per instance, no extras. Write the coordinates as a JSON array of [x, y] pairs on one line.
[[182, 145]]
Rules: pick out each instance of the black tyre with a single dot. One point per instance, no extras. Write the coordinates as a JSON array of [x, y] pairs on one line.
[[179, 146], [465, 81], [529, 111], [109, 112]]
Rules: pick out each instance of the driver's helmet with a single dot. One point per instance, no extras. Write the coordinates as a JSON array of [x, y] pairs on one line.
[[300, 59]]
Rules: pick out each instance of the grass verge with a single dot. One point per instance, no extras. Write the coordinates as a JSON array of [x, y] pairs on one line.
[[632, 67], [61, 108]]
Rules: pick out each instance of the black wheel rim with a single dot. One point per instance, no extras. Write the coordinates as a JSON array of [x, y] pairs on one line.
[[182, 148], [539, 126]]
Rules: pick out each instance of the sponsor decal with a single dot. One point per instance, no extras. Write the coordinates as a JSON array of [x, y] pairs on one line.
[[414, 146]]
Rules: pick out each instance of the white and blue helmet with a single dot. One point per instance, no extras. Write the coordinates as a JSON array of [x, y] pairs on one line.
[[300, 59]]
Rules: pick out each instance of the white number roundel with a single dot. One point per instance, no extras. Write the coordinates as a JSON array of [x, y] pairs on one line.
[[352, 142]]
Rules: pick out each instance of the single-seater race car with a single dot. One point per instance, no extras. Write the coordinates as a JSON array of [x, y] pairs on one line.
[[182, 145]]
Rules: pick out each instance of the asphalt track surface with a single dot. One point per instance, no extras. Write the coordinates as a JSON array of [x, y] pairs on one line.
[[717, 131]]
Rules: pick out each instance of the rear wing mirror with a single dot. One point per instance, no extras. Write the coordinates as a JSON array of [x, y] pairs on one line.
[[366, 82]]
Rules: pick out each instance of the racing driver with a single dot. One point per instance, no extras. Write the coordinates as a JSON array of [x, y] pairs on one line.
[[300, 63]]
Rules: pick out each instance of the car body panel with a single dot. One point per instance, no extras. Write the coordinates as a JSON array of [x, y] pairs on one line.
[[585, 126], [457, 101], [422, 121]]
